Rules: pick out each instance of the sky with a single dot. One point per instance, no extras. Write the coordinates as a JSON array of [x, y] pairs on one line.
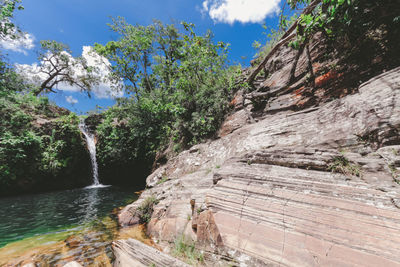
[[81, 23]]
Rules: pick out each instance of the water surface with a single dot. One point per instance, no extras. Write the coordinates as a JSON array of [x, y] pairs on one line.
[[80, 218]]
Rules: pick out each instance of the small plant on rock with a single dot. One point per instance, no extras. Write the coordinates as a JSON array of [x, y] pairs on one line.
[[163, 180], [341, 164], [145, 210], [199, 210], [395, 173], [187, 250]]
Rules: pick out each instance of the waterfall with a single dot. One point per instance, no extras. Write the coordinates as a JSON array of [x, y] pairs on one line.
[[91, 144]]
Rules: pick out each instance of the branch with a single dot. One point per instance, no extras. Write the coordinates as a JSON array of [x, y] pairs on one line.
[[282, 42], [287, 36], [49, 79]]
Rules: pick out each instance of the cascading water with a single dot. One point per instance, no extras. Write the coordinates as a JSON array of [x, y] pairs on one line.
[[91, 144]]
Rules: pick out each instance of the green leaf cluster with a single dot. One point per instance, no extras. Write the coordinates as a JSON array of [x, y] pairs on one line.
[[7, 8], [350, 18]]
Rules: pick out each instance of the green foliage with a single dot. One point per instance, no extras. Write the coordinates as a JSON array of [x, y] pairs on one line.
[[395, 173], [187, 250], [350, 18], [7, 8], [31, 153], [145, 210], [178, 86], [64, 139], [342, 165], [163, 180]]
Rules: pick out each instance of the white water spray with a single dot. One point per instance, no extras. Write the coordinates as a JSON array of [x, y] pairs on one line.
[[91, 144]]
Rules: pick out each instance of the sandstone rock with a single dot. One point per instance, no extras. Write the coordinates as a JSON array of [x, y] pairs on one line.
[[391, 154], [131, 252], [298, 217], [207, 231], [306, 187]]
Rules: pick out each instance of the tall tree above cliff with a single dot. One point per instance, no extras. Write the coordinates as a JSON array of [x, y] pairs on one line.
[[58, 67], [130, 55]]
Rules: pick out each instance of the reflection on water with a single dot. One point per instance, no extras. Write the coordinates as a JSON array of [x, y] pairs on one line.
[[79, 216], [91, 199]]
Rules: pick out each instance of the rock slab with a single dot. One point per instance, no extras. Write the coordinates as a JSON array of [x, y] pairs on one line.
[[131, 252]]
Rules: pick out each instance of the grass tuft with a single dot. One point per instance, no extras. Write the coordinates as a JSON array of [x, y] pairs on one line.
[[342, 165], [187, 251], [145, 210]]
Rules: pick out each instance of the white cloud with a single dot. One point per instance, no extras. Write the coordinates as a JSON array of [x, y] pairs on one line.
[[104, 88], [70, 99], [21, 43], [244, 11]]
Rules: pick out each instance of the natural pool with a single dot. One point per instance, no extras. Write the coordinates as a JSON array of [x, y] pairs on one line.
[[54, 228]]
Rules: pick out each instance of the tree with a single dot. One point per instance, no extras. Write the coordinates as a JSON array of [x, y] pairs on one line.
[[130, 55], [58, 67]]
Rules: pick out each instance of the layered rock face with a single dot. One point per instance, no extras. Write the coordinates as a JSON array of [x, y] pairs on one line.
[[304, 174]]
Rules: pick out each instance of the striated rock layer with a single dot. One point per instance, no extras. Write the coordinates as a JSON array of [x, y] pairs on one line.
[[300, 176]]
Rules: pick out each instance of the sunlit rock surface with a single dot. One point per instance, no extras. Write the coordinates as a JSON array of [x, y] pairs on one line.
[[309, 177]]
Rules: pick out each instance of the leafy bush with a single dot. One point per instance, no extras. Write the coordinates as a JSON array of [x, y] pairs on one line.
[[350, 18]]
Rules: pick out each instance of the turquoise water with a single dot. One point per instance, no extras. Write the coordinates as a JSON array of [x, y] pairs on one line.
[[78, 211]]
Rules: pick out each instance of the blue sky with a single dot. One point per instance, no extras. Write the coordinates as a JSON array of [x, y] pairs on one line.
[[81, 23]]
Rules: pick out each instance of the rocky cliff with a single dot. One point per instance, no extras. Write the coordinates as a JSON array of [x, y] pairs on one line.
[[305, 171]]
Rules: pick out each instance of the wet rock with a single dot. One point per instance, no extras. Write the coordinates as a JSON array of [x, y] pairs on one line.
[[73, 241]]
